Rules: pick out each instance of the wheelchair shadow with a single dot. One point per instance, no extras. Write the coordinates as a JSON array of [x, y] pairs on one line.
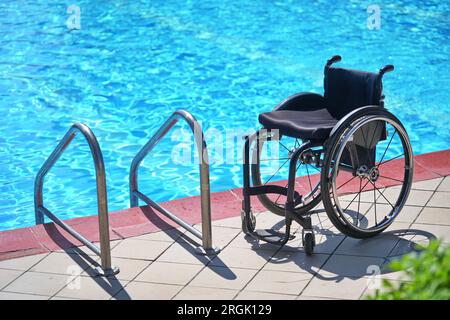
[[337, 256]]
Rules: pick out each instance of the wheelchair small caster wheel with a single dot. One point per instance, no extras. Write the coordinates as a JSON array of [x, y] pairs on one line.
[[248, 226], [309, 243]]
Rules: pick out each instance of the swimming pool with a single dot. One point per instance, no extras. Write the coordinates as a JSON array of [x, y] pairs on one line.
[[133, 63]]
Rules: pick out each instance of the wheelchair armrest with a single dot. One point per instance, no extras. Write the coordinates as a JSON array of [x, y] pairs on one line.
[[301, 101]]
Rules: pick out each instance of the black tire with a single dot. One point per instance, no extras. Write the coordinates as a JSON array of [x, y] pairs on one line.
[[267, 202], [309, 243], [248, 226], [333, 164]]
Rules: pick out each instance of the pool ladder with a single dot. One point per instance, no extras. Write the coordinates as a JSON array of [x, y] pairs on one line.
[[104, 251]]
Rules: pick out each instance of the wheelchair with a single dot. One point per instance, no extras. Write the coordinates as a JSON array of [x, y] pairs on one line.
[[335, 149]]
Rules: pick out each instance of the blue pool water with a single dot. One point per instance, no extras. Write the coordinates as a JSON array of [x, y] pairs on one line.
[[133, 63]]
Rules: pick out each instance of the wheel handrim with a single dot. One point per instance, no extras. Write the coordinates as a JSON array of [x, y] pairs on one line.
[[371, 176]]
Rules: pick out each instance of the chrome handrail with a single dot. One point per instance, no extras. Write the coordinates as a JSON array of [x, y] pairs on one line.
[[105, 250], [135, 195]]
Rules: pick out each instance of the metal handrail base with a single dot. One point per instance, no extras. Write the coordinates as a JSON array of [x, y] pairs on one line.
[[104, 251], [206, 234]]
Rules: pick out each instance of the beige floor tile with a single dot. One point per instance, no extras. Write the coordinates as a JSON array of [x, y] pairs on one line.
[[252, 295], [378, 246], [225, 278], [242, 258], [350, 266], [408, 214], [434, 216], [439, 231], [418, 198], [233, 222], [129, 268], [247, 242], [431, 184], [170, 235], [21, 296], [170, 273], [366, 196], [322, 224], [346, 288], [83, 250], [89, 288], [200, 293], [62, 298], [296, 262], [269, 220], [223, 236], [415, 198], [147, 291], [38, 283], [138, 249], [23, 263], [325, 243], [279, 282], [303, 297], [7, 276], [63, 263], [445, 185], [440, 199], [184, 253], [398, 228]]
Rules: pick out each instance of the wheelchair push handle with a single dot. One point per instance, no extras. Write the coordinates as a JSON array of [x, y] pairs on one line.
[[386, 69], [334, 59]]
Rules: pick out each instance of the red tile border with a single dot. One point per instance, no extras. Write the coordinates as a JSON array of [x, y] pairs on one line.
[[141, 220]]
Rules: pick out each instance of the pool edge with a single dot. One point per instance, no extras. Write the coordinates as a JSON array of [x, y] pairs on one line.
[[137, 221]]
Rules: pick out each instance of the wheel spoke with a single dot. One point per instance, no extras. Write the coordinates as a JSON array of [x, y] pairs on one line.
[[359, 200], [309, 178], [284, 146], [356, 196], [276, 172], [279, 196], [396, 157], [345, 183], [375, 206], [318, 170], [387, 147], [381, 193], [390, 178]]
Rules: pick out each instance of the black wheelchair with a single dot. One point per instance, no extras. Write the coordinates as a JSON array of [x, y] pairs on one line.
[[337, 147]]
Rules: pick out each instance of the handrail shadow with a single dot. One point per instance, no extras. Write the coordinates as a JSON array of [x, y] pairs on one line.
[[86, 263], [188, 243]]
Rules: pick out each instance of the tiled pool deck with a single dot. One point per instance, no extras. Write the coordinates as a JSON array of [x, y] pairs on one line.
[[40, 263]]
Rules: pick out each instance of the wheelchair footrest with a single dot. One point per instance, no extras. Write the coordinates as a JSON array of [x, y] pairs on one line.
[[272, 236]]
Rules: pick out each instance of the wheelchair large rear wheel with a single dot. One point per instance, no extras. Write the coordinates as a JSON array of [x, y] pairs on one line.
[[368, 171], [270, 164]]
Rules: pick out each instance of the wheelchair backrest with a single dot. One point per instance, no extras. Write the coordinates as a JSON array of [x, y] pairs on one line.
[[347, 90]]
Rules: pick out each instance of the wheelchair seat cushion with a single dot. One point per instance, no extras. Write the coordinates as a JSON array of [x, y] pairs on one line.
[[312, 124]]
